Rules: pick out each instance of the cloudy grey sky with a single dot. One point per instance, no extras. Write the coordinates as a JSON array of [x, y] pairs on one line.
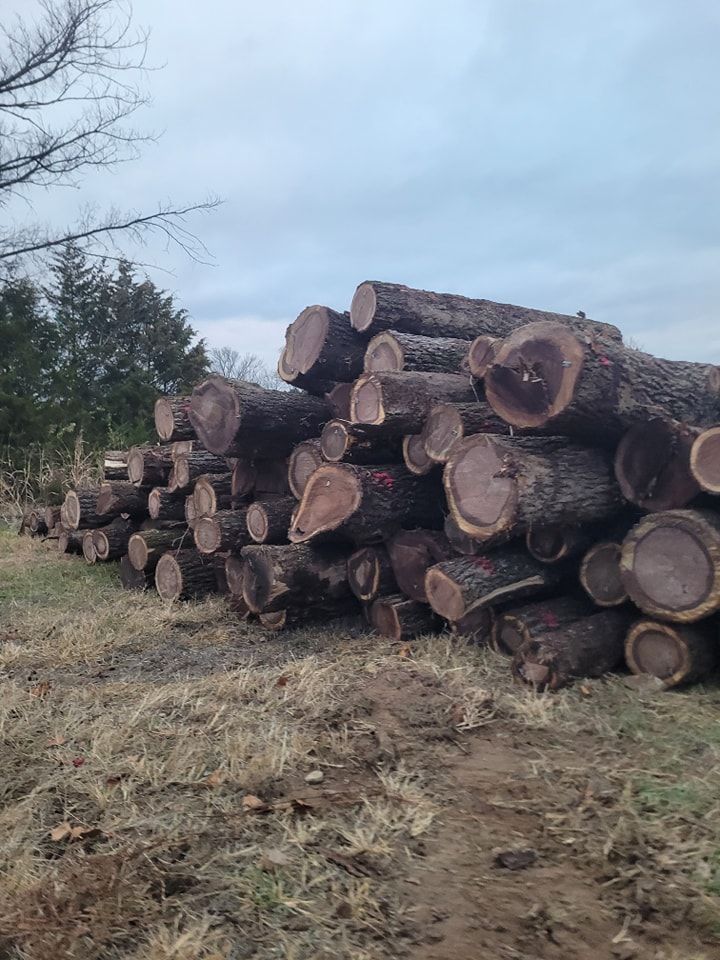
[[550, 153]]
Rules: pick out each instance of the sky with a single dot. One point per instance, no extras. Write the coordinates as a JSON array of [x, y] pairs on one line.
[[549, 153]]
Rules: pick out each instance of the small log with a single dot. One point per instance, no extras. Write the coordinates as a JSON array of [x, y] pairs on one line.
[[111, 542], [370, 573], [132, 579], [280, 577], [551, 543], [321, 348], [705, 460], [189, 466], [448, 423], [460, 541], [80, 509], [456, 587], [149, 466], [394, 351], [476, 625], [481, 354], [297, 617], [237, 419], [242, 483], [70, 541], [364, 503], [399, 618], [224, 531], [52, 517], [271, 477], [36, 523], [415, 458], [400, 402], [164, 504], [412, 553], [345, 442], [185, 575], [303, 462], [600, 574], [652, 464], [116, 497], [392, 306], [673, 653], [213, 492], [88, 547], [171, 419], [190, 511], [147, 546], [584, 648], [234, 575], [670, 565], [115, 465], [338, 401], [532, 621], [268, 521]]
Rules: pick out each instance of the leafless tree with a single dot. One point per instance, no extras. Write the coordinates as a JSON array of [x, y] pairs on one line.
[[70, 82], [243, 366]]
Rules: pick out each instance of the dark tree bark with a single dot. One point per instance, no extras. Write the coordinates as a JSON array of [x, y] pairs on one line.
[[447, 423], [652, 464], [271, 477], [237, 419], [234, 575], [476, 625], [460, 541], [80, 509], [188, 467], [338, 401], [551, 543], [70, 541], [297, 617], [673, 653], [165, 504], [224, 531], [302, 463], [400, 402], [111, 542], [584, 648], [391, 306], [150, 466], [213, 492], [321, 348], [546, 376], [412, 553], [52, 517], [526, 482], [345, 442], [88, 547], [268, 521], [705, 460], [600, 574], [185, 575], [481, 354], [415, 457], [281, 577], [394, 351], [365, 504], [670, 565], [219, 561], [370, 573], [190, 511], [399, 618], [115, 465], [147, 546], [242, 483], [171, 419], [456, 587], [532, 621], [132, 579], [117, 497]]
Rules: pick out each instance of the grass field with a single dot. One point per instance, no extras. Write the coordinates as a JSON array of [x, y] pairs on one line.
[[155, 802]]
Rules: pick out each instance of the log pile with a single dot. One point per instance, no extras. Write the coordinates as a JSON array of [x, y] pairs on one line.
[[523, 477]]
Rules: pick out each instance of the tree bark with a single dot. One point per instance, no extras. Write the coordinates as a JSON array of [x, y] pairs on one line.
[[271, 478], [652, 464], [705, 460], [584, 648], [498, 488], [394, 351], [111, 542], [400, 402], [551, 543], [460, 541], [188, 467], [415, 457], [171, 419], [234, 574], [338, 401], [365, 504], [268, 521], [190, 511], [345, 442], [412, 553], [476, 625], [225, 530], [115, 465], [370, 573], [213, 492], [674, 654], [448, 423], [280, 577], [120, 497], [670, 565], [147, 546], [456, 587], [132, 579], [164, 504], [185, 575], [481, 354], [600, 574], [297, 617], [150, 466], [302, 463], [36, 523], [88, 547], [70, 541], [237, 419], [399, 618], [533, 621], [80, 509], [321, 348], [242, 484], [391, 306], [546, 376]]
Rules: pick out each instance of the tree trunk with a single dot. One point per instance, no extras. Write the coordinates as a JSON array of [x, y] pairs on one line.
[[672, 653], [584, 648], [115, 465], [498, 488], [278, 578], [705, 460], [70, 541], [670, 565], [225, 530], [171, 419], [146, 547], [546, 376], [80, 509], [268, 521], [456, 587], [412, 553], [111, 542], [600, 574], [532, 621], [460, 541], [400, 402], [190, 466], [213, 492], [391, 306], [297, 617], [447, 423], [393, 351], [303, 462], [120, 497], [365, 503], [321, 348], [237, 419], [399, 618], [132, 579], [652, 464], [150, 466], [338, 401], [415, 457], [88, 547], [345, 442], [164, 504], [234, 575], [370, 574], [185, 575], [481, 354]]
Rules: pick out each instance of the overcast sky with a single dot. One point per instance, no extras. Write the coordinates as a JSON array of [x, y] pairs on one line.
[[549, 153]]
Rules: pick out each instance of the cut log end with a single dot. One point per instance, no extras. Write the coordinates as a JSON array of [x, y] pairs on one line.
[[234, 574], [705, 460], [101, 545], [443, 427], [72, 509], [257, 580], [508, 635], [332, 494], [384, 353], [415, 456], [274, 621], [304, 461], [305, 342], [363, 307], [335, 440], [364, 573], [88, 547], [550, 544], [384, 618], [600, 575], [164, 419], [445, 595], [168, 578], [481, 354], [135, 465], [215, 414], [657, 649], [207, 534], [257, 522], [652, 465], [366, 401], [137, 552], [479, 486]]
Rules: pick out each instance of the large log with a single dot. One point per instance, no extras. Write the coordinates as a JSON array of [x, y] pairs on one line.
[[111, 542], [280, 577], [80, 509], [412, 553], [171, 419], [189, 466], [481, 353], [268, 521], [394, 351], [705, 460], [447, 423], [345, 442], [670, 565], [652, 464], [212, 492], [150, 466], [115, 465], [185, 575], [70, 541], [237, 419], [147, 546], [600, 574], [365, 503], [400, 618], [224, 531], [544, 375], [400, 402], [673, 653], [532, 621], [415, 456], [370, 573], [164, 504], [584, 648], [302, 463], [499, 488], [116, 497], [392, 306], [456, 587], [132, 579], [321, 348]]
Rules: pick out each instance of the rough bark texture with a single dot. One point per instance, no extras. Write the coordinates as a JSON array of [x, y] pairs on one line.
[[456, 587], [370, 573], [242, 484], [399, 618], [476, 626], [400, 402], [532, 621], [268, 521], [481, 354], [670, 565], [70, 541], [392, 306], [545, 376], [652, 464], [213, 492], [234, 575], [271, 477], [395, 351], [171, 419], [111, 542], [365, 504], [237, 419], [499, 488], [185, 575], [301, 616], [705, 460], [321, 348], [412, 553], [190, 466], [673, 653], [302, 463], [460, 541], [150, 466], [447, 423], [132, 579], [147, 546], [345, 442], [584, 648], [166, 504], [600, 574], [224, 531], [280, 577], [115, 465], [80, 509], [338, 401], [116, 497], [415, 457]]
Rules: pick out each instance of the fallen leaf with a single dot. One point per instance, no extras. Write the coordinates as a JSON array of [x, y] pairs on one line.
[[114, 779], [251, 802], [353, 865], [405, 650], [315, 776], [61, 831], [272, 860], [56, 741], [281, 681], [214, 779], [585, 691], [78, 761], [41, 690]]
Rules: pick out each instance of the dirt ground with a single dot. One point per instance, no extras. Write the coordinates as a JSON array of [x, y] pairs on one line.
[[177, 784]]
